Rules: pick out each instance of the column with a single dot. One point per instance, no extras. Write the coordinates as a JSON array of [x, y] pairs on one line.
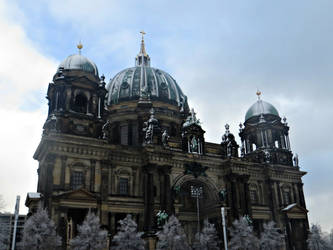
[[248, 208], [169, 208], [113, 223], [234, 199], [301, 195], [148, 199], [262, 139], [287, 142], [162, 189], [92, 175], [271, 199], [283, 143], [266, 138], [62, 174]]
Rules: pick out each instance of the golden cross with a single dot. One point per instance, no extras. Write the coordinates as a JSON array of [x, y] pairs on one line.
[[142, 33]]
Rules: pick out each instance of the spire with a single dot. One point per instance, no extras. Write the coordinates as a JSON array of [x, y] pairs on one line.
[[143, 49], [142, 59]]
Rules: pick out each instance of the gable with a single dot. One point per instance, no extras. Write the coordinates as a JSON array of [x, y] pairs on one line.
[[295, 211], [79, 194]]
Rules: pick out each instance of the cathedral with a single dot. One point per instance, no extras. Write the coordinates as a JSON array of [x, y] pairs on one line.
[[134, 146]]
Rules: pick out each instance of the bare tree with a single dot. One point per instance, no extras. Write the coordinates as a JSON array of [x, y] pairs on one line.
[[127, 237], [242, 236], [207, 239], [4, 235], [90, 236], [316, 240], [270, 238], [172, 236], [40, 232]]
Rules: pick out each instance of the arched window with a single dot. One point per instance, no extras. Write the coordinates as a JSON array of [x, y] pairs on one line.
[[286, 196], [80, 103], [124, 134]]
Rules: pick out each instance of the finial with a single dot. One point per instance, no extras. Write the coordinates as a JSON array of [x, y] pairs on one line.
[[143, 49], [142, 33], [79, 46], [258, 93]]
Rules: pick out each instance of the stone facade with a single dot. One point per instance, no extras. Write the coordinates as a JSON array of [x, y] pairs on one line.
[[117, 152]]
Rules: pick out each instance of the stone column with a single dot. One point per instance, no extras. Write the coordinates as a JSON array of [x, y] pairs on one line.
[[113, 223], [301, 195], [271, 199], [169, 208], [162, 189], [248, 208], [63, 171], [92, 175], [104, 180], [234, 196], [148, 198]]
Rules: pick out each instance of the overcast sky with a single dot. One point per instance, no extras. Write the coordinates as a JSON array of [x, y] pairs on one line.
[[220, 53]]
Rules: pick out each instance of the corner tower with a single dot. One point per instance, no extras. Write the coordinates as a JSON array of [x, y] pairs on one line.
[[265, 136], [76, 98]]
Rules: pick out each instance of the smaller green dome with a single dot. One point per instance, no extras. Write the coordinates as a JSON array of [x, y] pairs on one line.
[[79, 62], [261, 107]]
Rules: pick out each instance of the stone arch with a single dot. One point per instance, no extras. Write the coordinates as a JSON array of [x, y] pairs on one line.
[[206, 181], [186, 206]]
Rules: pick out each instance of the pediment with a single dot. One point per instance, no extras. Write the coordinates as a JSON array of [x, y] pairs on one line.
[[295, 211], [79, 194]]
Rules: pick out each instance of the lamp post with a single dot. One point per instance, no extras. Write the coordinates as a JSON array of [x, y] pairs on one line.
[[196, 192], [224, 229]]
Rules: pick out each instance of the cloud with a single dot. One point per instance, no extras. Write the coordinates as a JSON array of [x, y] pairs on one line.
[[24, 77], [220, 52]]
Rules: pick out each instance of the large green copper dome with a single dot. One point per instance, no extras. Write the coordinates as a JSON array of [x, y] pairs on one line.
[[143, 81], [261, 107], [131, 83]]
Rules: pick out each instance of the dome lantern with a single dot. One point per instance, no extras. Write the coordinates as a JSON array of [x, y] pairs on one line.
[[142, 59]]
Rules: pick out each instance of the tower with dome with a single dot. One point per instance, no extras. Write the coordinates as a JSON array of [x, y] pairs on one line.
[[135, 146]]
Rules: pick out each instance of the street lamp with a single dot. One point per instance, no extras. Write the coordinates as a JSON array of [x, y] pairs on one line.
[[196, 192]]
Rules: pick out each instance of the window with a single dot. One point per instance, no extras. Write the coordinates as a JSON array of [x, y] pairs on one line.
[[253, 196], [77, 180], [286, 197], [80, 103], [124, 135], [123, 186]]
